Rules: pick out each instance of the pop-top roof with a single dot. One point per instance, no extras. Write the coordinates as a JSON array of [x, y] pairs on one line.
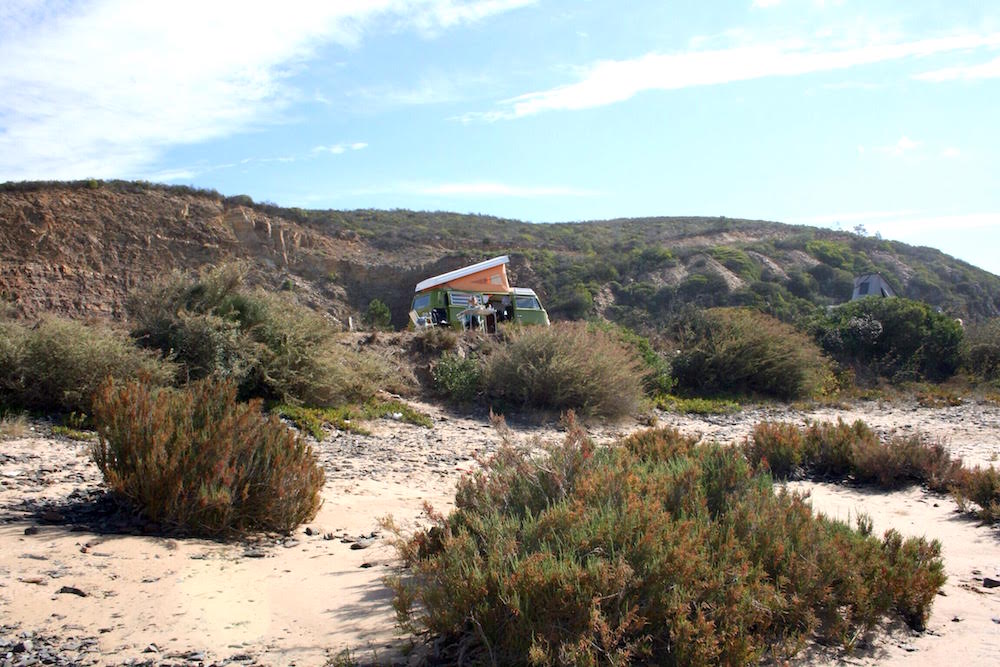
[[464, 272]]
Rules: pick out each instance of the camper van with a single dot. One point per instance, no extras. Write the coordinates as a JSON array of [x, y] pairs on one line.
[[476, 297]]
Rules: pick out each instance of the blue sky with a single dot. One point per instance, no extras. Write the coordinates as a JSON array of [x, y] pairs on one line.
[[834, 113]]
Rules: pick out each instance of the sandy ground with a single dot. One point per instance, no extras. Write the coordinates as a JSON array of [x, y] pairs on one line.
[[81, 584]]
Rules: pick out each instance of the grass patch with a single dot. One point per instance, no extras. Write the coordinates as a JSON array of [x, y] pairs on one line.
[[74, 433], [655, 551], [197, 460], [697, 406], [350, 418]]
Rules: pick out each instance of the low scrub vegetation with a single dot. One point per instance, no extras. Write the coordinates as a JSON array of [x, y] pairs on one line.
[[56, 365], [269, 346], [197, 460], [737, 350], [568, 366], [840, 450], [655, 551]]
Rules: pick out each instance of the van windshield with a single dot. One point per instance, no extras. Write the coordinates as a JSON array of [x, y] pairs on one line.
[[528, 302]]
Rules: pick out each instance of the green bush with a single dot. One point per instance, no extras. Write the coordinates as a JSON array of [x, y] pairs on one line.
[[269, 346], [981, 350], [457, 377], [58, 364], [197, 460], [891, 337], [377, 316], [568, 366], [654, 552], [741, 351]]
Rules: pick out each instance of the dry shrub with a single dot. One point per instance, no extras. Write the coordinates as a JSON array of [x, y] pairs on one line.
[[982, 487], [743, 351], [776, 445], [568, 366], [269, 345], [829, 446], [197, 460], [57, 364], [840, 450], [652, 552]]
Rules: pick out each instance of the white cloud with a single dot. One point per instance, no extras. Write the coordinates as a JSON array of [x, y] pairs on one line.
[[951, 152], [901, 147], [104, 88], [337, 149], [611, 81], [988, 70]]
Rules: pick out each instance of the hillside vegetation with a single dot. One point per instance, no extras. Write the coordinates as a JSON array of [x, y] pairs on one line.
[[79, 248]]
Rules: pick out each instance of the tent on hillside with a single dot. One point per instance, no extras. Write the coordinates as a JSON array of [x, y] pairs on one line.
[[871, 284]]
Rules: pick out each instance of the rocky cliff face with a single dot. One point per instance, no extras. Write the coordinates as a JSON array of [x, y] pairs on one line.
[[79, 252]]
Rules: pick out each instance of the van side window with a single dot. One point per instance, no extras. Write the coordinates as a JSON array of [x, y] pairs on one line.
[[421, 302], [528, 302]]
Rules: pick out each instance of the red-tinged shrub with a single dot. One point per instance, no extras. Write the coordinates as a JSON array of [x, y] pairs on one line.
[[651, 552], [198, 460], [778, 445]]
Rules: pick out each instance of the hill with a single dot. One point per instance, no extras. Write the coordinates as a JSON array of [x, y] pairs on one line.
[[78, 248]]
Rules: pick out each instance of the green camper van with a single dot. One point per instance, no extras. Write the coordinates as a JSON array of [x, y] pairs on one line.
[[476, 297]]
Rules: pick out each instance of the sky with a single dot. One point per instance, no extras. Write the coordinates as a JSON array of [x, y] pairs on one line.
[[835, 113]]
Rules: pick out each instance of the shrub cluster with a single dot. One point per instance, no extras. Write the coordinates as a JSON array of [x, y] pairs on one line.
[[839, 450], [569, 365], [57, 364], [197, 460], [896, 338], [742, 351], [269, 346], [652, 552], [981, 350]]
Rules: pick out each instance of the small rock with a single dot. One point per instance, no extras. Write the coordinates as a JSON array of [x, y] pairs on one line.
[[309, 531], [72, 590], [362, 544], [327, 536], [290, 543], [956, 619], [989, 582], [31, 530], [152, 648], [254, 553], [367, 565]]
